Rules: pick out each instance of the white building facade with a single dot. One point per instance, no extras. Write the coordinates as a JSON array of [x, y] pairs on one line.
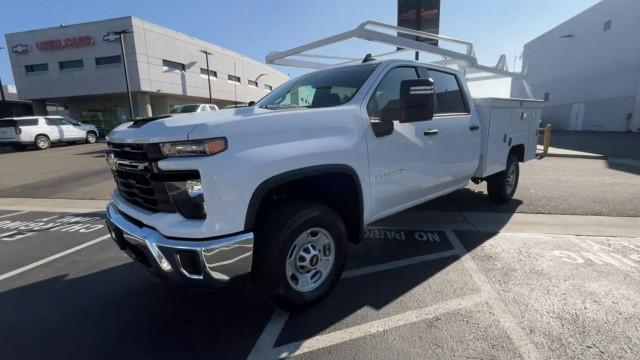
[[588, 69], [80, 66]]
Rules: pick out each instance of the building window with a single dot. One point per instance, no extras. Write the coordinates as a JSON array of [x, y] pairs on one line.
[[36, 68], [108, 60], [607, 25], [71, 64], [253, 83], [546, 96], [212, 73], [233, 78], [268, 87], [173, 65]]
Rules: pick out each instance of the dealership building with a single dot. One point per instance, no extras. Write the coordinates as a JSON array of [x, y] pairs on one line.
[[587, 70], [80, 66]]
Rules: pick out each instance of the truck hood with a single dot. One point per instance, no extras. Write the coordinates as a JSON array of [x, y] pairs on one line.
[[175, 127]]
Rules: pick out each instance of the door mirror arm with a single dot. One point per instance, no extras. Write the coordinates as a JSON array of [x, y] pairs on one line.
[[382, 127]]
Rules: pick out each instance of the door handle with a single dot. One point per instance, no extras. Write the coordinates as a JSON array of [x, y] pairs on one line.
[[431, 132], [474, 127]]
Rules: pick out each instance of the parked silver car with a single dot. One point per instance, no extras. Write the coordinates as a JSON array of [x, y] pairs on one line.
[[41, 131]]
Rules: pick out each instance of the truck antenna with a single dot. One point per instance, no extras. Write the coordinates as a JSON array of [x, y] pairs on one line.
[[368, 58]]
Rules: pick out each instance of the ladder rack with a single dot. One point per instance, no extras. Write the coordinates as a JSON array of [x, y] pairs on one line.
[[379, 32]]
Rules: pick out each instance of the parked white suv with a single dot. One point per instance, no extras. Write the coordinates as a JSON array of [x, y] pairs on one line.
[[41, 131]]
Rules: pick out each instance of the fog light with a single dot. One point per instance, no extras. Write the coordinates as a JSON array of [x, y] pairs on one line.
[[194, 188]]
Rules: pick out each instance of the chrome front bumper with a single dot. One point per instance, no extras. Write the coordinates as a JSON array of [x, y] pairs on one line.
[[207, 262]]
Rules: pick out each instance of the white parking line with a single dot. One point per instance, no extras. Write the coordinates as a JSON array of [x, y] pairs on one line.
[[16, 213], [515, 332], [263, 349], [52, 257], [396, 264], [264, 346], [376, 326]]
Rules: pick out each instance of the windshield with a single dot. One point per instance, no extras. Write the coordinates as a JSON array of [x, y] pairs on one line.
[[323, 88], [177, 109]]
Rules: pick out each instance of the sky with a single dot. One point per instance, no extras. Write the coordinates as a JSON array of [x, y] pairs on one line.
[[256, 27]]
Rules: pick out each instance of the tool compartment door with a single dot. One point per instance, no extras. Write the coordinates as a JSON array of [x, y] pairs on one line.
[[507, 123]]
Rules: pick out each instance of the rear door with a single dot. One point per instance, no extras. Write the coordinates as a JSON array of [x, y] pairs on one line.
[[459, 133], [7, 130], [403, 166], [54, 128]]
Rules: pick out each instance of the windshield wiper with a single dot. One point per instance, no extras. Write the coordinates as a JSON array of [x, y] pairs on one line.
[[277, 106]]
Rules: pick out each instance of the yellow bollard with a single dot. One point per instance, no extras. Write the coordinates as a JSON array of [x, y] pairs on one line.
[[546, 140]]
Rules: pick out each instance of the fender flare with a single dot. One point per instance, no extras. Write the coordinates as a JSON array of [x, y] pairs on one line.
[[276, 180]]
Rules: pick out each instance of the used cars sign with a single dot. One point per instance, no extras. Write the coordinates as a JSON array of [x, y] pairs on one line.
[[70, 42]]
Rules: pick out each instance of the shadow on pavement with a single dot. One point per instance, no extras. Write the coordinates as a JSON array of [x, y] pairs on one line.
[[468, 200], [124, 312], [611, 144]]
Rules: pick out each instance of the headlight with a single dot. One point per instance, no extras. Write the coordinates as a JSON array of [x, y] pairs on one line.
[[194, 147]]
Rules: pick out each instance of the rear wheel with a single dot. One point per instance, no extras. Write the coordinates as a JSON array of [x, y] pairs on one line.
[[42, 142], [300, 253], [502, 186], [91, 137]]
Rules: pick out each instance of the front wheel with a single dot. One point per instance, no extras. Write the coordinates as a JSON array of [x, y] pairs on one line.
[[502, 186], [300, 253]]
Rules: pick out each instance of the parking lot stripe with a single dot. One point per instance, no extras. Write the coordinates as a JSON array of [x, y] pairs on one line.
[[515, 332], [396, 264], [16, 213], [376, 326], [52, 257], [264, 346]]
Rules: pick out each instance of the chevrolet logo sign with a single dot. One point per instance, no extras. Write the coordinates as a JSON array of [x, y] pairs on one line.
[[20, 49], [110, 37]]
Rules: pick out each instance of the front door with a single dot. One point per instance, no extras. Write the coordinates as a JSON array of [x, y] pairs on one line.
[[71, 131], [403, 166]]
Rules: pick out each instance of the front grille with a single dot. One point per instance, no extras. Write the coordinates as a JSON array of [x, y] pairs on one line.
[[143, 188], [140, 181], [137, 152]]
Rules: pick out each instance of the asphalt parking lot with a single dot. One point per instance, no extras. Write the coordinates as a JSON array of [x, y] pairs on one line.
[[433, 282], [405, 294], [555, 185]]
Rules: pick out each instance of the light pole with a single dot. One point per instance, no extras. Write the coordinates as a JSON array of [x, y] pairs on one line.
[[1, 89], [124, 63], [206, 56]]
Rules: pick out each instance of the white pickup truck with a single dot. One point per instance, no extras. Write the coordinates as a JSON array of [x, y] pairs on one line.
[[279, 189]]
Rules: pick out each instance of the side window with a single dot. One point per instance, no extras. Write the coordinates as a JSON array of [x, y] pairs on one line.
[[385, 101], [54, 122], [448, 95]]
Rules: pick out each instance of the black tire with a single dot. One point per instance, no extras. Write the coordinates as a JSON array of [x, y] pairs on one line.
[[91, 137], [502, 186], [275, 238], [42, 142]]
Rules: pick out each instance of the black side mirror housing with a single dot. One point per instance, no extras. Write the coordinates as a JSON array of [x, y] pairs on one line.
[[417, 97], [251, 103], [382, 128]]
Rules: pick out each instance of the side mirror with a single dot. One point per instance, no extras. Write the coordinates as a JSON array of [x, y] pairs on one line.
[[417, 98], [251, 103]]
